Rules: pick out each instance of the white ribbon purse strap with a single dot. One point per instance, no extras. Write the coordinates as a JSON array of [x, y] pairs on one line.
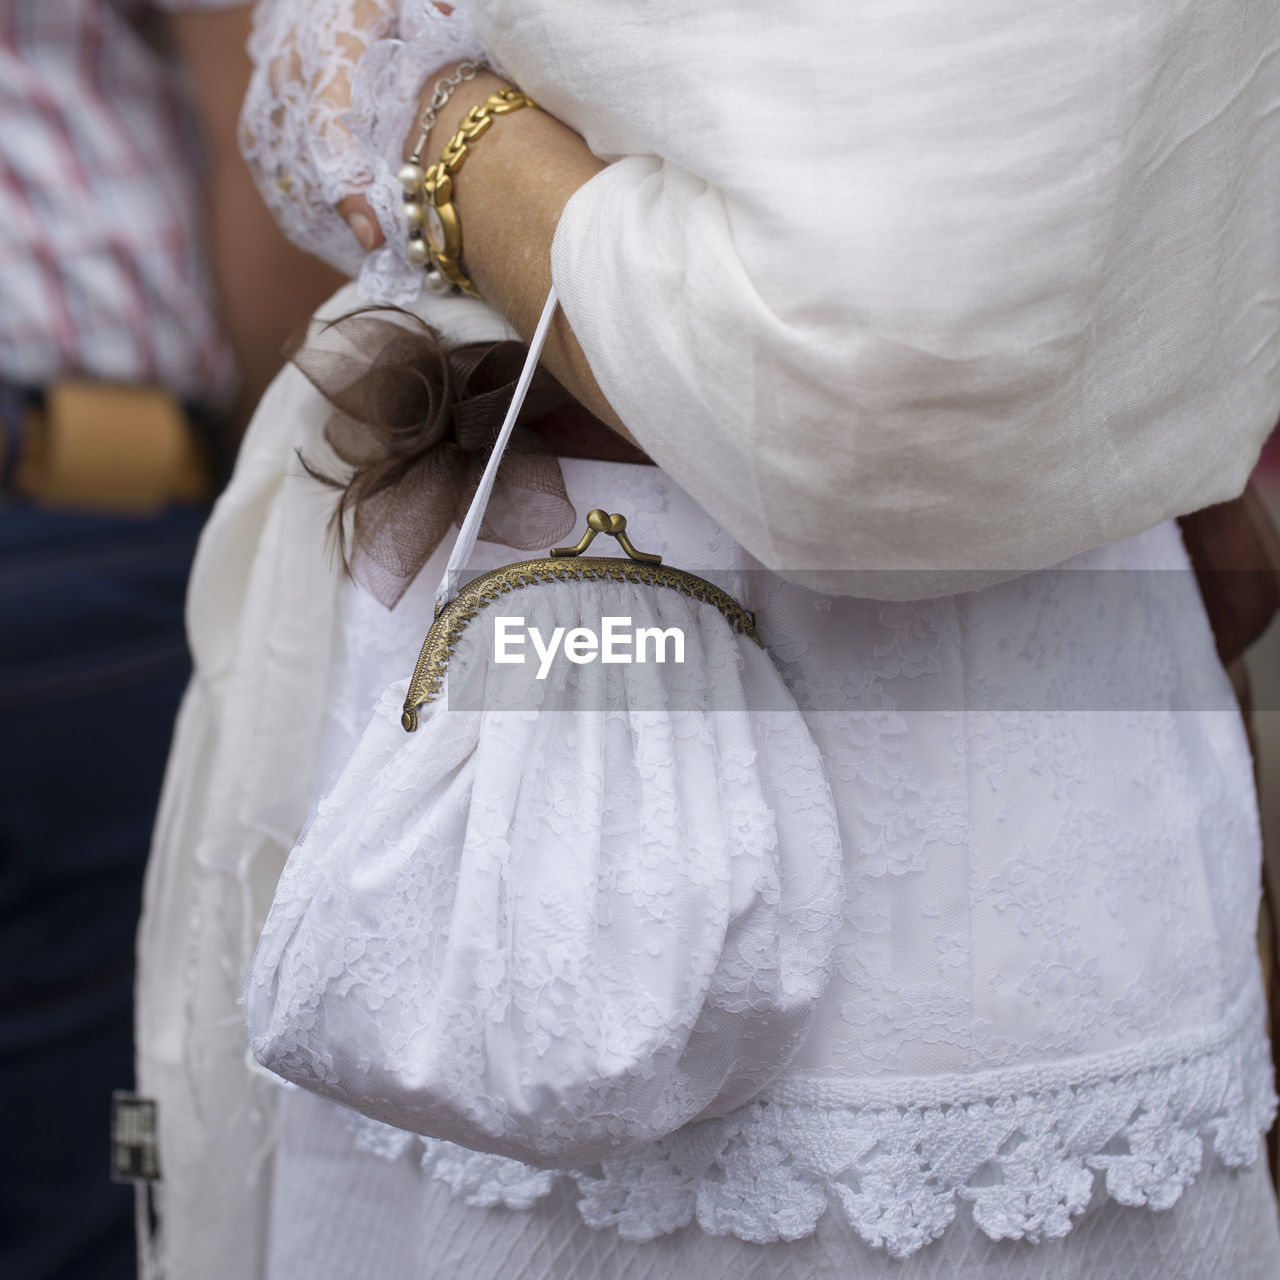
[[470, 531]]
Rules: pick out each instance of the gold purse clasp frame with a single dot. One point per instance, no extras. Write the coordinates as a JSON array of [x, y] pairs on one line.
[[562, 564]]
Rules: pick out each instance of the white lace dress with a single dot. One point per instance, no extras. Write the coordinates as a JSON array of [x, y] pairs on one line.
[[1047, 997], [1047, 1006]]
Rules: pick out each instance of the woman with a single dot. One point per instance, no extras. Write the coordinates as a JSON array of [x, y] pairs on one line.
[[939, 299]]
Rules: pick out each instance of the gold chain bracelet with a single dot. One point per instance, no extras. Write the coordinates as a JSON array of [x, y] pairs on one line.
[[435, 232]]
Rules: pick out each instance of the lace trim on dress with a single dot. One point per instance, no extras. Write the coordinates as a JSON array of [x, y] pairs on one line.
[[308, 148], [1022, 1146]]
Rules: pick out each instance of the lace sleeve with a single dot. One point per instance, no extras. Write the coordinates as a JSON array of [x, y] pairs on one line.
[[333, 94]]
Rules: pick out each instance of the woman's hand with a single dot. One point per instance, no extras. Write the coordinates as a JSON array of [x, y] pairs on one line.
[[334, 88], [338, 88], [355, 208]]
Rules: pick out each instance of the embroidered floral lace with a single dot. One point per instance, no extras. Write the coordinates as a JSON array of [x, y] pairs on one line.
[[1023, 1150], [1046, 975]]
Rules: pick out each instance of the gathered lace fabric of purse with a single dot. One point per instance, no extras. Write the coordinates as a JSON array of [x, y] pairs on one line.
[[564, 916]]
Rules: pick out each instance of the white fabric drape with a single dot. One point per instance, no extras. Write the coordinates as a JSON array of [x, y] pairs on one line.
[[905, 285]]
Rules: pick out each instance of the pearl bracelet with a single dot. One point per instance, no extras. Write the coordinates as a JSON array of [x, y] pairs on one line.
[[411, 174]]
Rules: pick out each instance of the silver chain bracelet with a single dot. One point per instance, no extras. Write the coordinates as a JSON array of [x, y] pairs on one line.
[[411, 174], [439, 96]]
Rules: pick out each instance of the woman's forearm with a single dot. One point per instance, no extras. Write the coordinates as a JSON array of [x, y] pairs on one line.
[[509, 194]]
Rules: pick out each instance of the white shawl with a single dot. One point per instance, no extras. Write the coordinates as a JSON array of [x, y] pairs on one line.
[[894, 284], [260, 615]]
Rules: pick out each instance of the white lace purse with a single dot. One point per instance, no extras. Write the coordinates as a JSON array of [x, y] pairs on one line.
[[571, 913]]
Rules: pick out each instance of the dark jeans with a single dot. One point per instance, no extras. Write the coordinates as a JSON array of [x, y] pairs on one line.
[[93, 661]]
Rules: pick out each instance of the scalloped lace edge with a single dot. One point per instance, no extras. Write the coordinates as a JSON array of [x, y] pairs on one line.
[[1023, 1147]]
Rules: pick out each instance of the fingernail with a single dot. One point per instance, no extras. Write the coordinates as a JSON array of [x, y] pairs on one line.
[[364, 230]]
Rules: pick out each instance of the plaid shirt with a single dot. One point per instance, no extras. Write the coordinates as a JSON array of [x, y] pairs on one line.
[[101, 263]]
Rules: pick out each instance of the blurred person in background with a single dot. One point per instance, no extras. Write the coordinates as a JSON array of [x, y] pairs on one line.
[[144, 297]]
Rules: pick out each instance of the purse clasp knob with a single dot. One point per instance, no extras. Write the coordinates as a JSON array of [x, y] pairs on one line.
[[600, 521]]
